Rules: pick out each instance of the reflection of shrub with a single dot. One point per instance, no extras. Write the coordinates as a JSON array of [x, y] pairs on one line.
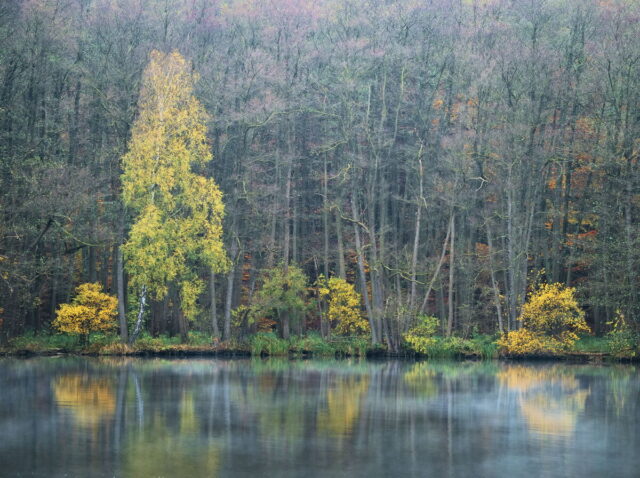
[[551, 320], [90, 400], [421, 337]]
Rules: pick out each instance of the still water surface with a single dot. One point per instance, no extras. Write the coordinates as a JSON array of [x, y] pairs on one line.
[[191, 418]]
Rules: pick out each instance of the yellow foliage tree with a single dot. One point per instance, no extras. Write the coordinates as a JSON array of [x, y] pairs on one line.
[[343, 306], [551, 321], [178, 212], [91, 310]]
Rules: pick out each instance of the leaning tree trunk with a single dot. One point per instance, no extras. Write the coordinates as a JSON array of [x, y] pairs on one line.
[[363, 277]]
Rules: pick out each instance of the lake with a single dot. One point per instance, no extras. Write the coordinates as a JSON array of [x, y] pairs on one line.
[[69, 416]]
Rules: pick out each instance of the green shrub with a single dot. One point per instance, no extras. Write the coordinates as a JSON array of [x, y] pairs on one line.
[[483, 346], [199, 338], [622, 340], [156, 344], [40, 343], [313, 343], [352, 346], [448, 347], [420, 338], [268, 343], [591, 344]]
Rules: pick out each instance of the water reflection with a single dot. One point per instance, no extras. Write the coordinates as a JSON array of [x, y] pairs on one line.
[[90, 400], [343, 404], [318, 418], [421, 379], [550, 398], [158, 449]]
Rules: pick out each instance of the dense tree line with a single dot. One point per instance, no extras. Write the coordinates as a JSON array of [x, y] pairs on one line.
[[443, 156]]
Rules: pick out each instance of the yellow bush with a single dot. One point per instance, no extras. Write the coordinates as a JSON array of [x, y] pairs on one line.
[[523, 342], [90, 311], [551, 321], [553, 310], [343, 306]]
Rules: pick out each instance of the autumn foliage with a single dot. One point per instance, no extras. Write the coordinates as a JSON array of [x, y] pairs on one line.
[[91, 310], [551, 321], [178, 212], [420, 338], [343, 306]]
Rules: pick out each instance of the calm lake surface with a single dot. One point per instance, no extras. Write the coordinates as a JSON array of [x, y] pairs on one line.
[[189, 418]]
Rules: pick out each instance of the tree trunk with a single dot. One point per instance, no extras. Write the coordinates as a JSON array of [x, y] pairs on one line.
[[122, 317], [363, 277], [451, 275], [438, 267], [215, 330], [494, 282], [342, 270], [416, 238], [285, 256], [138, 327]]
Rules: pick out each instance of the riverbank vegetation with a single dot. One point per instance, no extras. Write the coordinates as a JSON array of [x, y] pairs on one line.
[[550, 323], [481, 347], [285, 177]]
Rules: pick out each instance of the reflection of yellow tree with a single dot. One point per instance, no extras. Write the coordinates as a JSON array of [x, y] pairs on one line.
[[550, 398], [188, 420], [343, 405], [553, 416], [159, 450], [91, 400], [523, 378], [421, 380]]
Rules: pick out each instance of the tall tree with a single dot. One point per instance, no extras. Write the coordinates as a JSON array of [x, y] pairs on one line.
[[178, 212]]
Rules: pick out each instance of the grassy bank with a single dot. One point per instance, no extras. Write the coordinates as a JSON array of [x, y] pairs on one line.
[[481, 347]]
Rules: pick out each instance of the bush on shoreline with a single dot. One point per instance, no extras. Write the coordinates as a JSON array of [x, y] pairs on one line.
[[483, 347]]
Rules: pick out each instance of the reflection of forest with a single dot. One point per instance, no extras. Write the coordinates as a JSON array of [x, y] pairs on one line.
[[344, 401], [550, 398], [209, 417], [161, 450]]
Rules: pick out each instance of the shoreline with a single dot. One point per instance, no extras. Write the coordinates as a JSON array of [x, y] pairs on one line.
[[187, 352]]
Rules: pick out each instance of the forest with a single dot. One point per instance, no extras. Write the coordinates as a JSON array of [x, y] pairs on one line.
[[423, 158]]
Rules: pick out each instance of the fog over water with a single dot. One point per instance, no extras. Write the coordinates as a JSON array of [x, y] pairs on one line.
[[152, 417]]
